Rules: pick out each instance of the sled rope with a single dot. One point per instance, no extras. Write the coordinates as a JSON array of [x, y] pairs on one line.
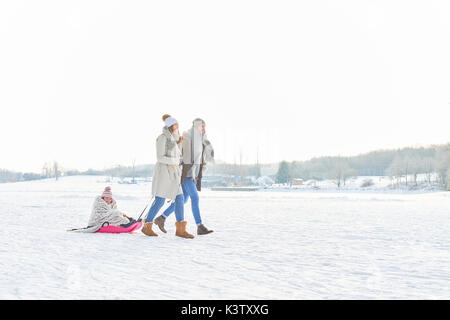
[[152, 201]]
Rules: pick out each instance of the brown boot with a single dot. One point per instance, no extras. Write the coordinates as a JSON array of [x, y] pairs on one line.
[[160, 223], [181, 230], [147, 230], [201, 229]]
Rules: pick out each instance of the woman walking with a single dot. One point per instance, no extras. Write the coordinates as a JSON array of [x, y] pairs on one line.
[[197, 151], [166, 179]]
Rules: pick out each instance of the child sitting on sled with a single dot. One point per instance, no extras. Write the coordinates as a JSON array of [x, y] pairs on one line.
[[105, 209]]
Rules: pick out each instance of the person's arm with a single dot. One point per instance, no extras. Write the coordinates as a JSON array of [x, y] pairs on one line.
[[178, 138], [208, 155], [186, 148], [114, 207], [115, 216], [161, 152]]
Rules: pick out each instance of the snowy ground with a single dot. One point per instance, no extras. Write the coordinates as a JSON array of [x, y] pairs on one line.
[[266, 245]]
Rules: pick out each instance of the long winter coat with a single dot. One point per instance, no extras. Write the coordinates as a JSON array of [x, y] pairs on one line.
[[207, 156], [166, 181], [103, 212]]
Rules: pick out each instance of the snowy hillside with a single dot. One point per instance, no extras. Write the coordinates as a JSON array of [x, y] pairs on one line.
[[368, 184], [266, 245]]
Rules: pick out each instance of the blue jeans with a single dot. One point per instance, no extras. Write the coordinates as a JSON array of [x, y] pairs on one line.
[[159, 202], [189, 191]]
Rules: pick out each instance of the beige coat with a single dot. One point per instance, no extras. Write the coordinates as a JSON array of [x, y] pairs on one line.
[[208, 151], [167, 176]]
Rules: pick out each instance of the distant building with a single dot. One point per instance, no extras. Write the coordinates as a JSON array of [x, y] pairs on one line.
[[297, 182], [264, 181]]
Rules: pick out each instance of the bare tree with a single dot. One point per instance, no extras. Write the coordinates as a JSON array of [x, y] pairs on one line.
[[443, 164], [429, 168], [47, 170], [399, 168], [56, 171], [448, 179], [134, 170], [415, 165], [340, 172]]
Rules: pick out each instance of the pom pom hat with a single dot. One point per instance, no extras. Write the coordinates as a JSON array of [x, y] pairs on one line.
[[169, 121], [107, 192]]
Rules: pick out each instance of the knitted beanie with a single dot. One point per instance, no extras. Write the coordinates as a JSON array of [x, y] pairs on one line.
[[169, 121], [107, 192]]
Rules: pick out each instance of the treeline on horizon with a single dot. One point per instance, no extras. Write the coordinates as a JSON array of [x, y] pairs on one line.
[[433, 161], [402, 165]]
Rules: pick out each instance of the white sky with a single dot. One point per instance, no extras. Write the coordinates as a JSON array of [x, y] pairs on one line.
[[86, 82]]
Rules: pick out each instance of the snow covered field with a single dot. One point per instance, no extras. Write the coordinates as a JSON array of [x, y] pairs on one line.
[[266, 245]]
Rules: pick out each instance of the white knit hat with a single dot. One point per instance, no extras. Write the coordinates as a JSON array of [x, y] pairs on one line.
[[170, 121]]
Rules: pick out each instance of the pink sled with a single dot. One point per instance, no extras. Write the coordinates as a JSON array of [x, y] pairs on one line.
[[116, 229]]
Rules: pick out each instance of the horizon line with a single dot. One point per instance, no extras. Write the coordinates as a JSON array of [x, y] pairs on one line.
[[220, 162]]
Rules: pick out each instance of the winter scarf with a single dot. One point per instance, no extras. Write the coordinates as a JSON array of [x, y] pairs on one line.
[[197, 140], [197, 150], [172, 139]]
